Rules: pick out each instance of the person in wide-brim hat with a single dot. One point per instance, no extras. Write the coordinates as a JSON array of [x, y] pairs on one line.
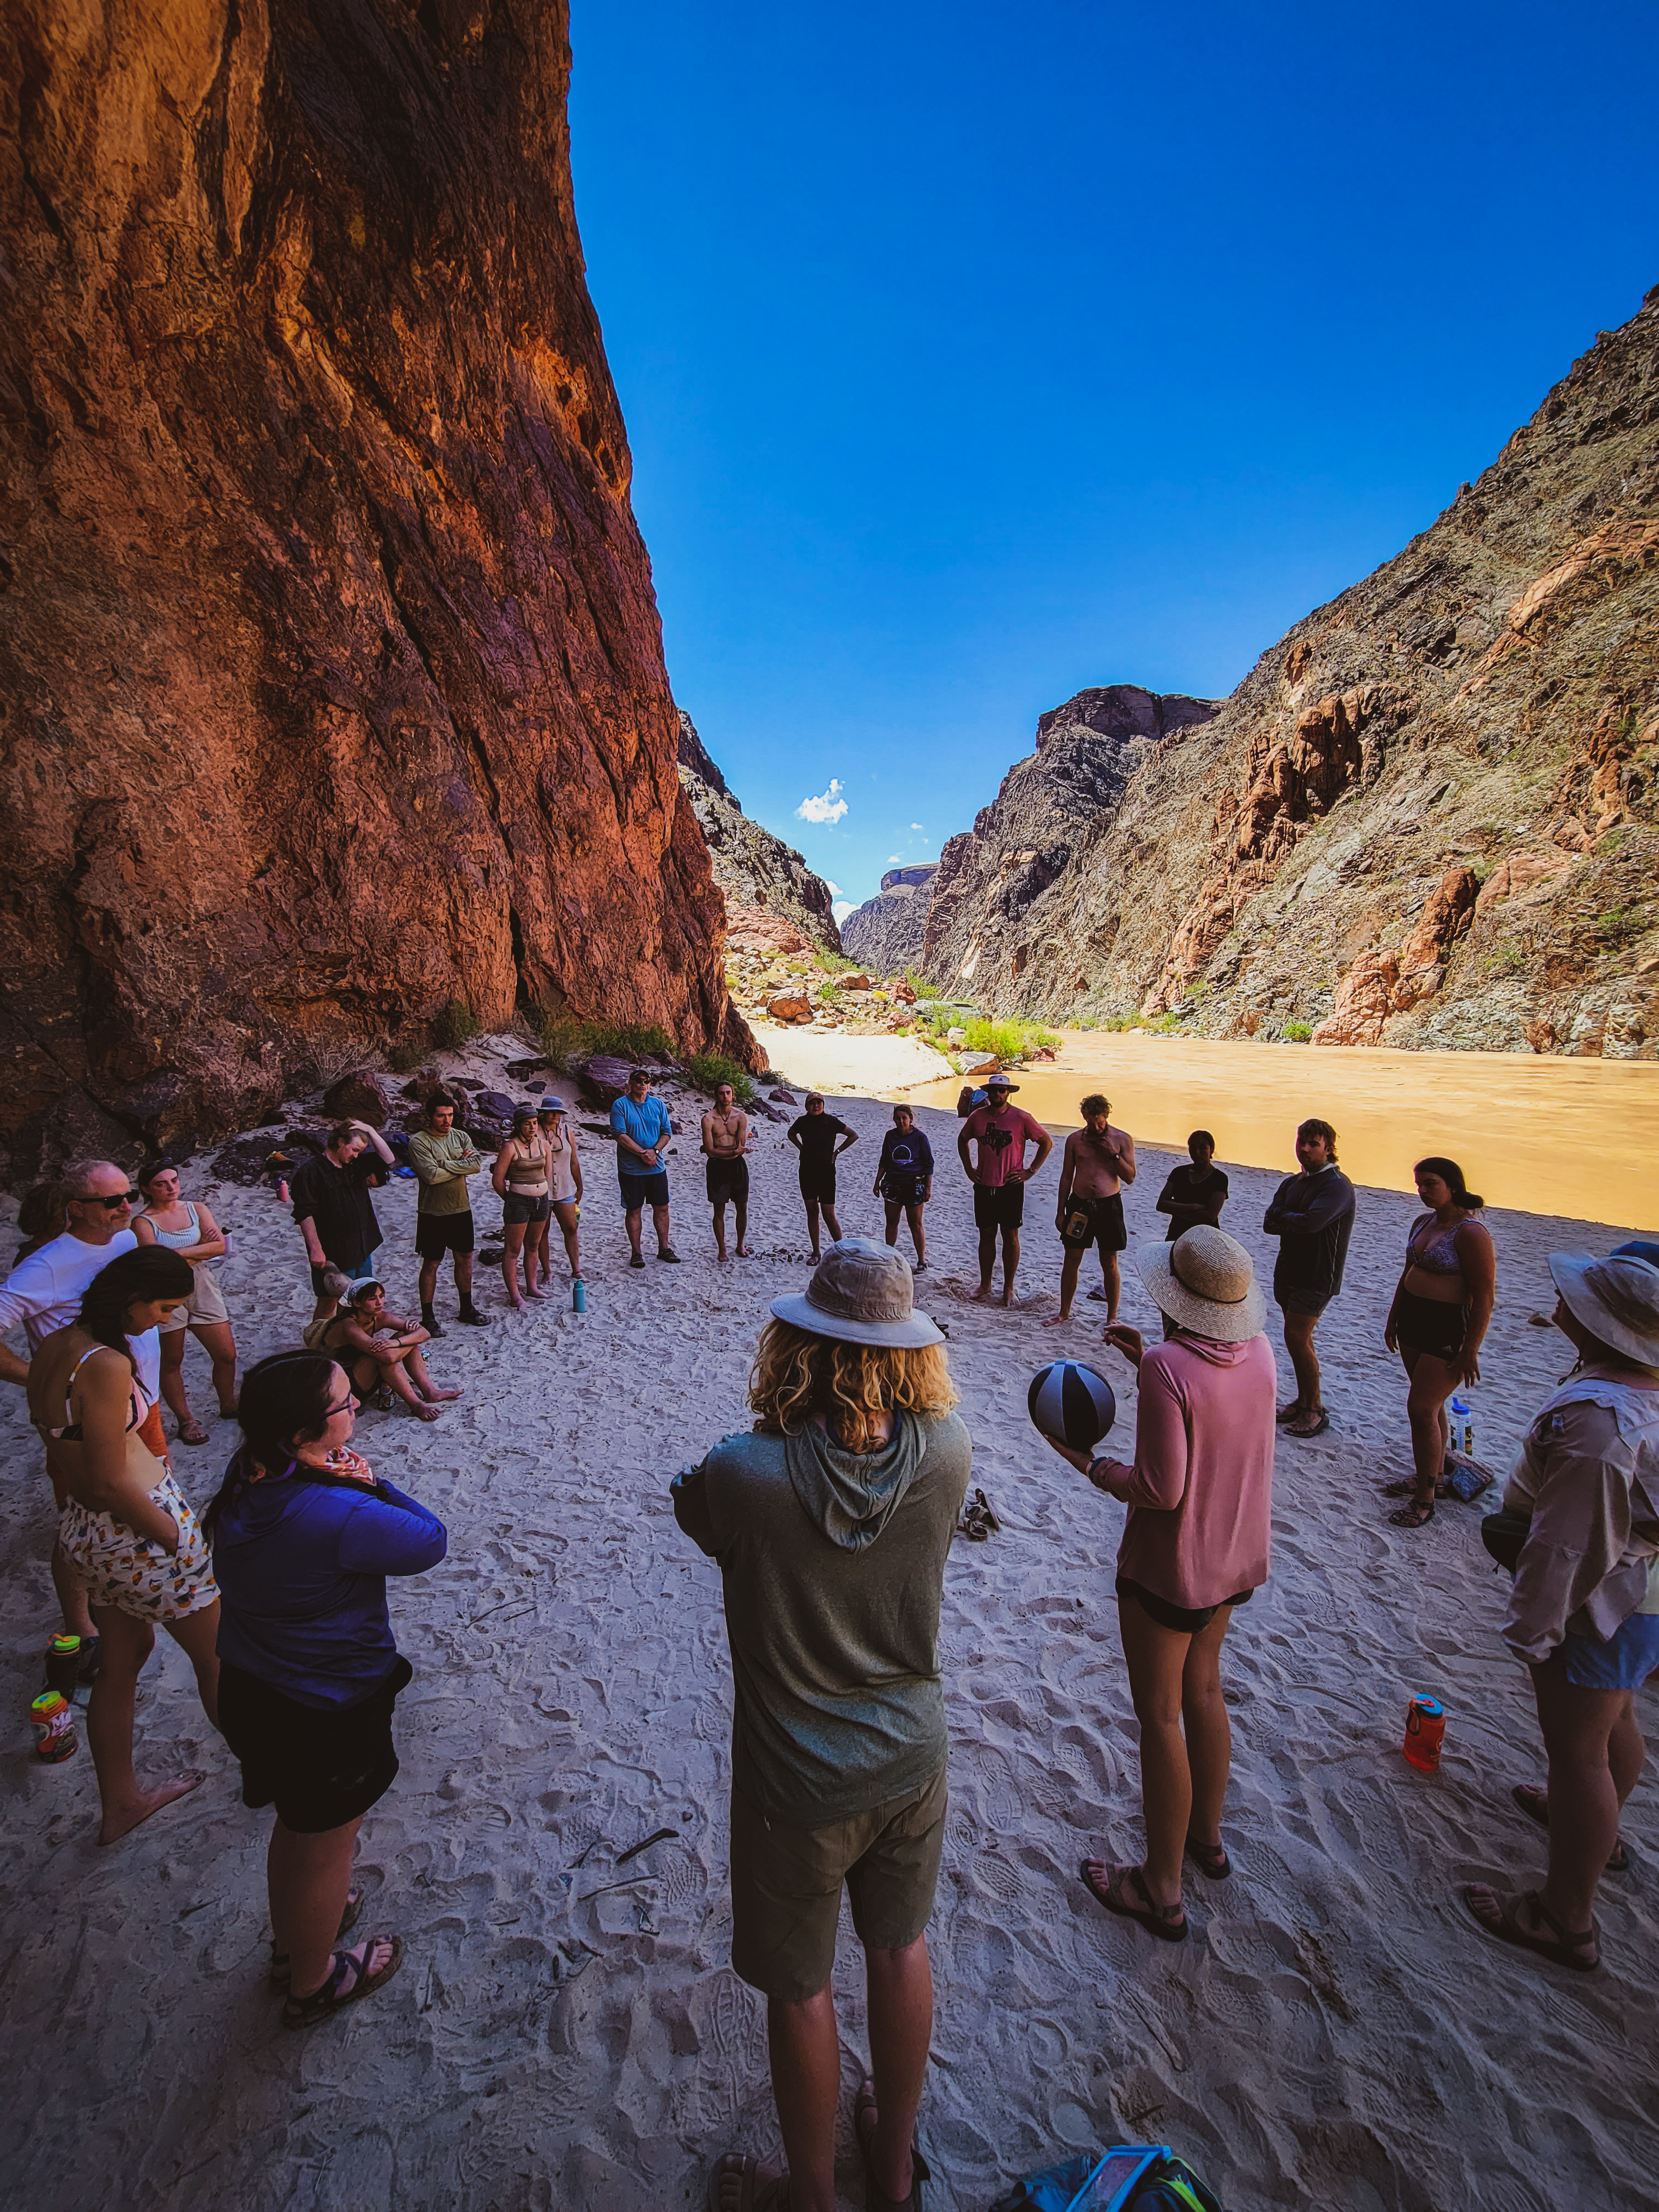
[[832, 1522], [1195, 1545]]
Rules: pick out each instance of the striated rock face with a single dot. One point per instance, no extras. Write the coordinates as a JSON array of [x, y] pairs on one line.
[[1052, 806], [774, 902], [333, 679], [1428, 815], [887, 930]]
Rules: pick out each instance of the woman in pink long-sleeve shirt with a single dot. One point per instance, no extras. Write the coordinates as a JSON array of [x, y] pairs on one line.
[[1195, 1545]]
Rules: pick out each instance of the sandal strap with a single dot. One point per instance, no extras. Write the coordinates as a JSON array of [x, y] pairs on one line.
[[1563, 1936]]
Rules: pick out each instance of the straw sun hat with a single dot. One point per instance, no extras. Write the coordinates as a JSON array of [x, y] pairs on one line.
[[1205, 1282], [1616, 1299], [861, 1293]]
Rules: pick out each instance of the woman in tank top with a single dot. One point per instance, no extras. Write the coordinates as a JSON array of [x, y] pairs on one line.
[[186, 1226], [126, 1525], [1442, 1310], [567, 1180], [520, 1178]]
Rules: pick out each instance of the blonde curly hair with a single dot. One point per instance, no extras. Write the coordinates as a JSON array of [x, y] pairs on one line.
[[797, 1374]]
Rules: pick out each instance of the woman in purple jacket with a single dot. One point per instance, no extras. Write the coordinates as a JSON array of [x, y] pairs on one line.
[[1195, 1545], [304, 1535]]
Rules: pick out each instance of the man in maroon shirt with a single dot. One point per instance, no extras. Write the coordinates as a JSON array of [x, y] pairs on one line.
[[1002, 1132]]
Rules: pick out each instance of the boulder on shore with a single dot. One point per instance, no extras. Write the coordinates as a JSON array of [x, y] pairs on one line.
[[362, 1096]]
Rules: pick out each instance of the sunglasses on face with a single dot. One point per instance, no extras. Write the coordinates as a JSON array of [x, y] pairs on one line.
[[121, 1198]]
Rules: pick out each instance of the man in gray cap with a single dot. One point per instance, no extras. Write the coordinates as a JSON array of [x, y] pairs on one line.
[[1001, 1130], [831, 1522]]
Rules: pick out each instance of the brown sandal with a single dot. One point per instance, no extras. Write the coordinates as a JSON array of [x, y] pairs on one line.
[[771, 2195], [1113, 1893], [1562, 1948], [306, 2012], [874, 2199]]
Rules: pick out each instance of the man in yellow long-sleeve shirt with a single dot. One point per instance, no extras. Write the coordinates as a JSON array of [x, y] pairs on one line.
[[442, 1157]]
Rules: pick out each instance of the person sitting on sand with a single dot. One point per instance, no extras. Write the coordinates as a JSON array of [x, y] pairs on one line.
[[1001, 1131], [641, 1125], [1193, 1196], [904, 1180], [1312, 1215], [725, 1141], [1098, 1160], [127, 1529], [820, 1138], [1195, 1545], [381, 1352], [1583, 1613], [519, 1179], [187, 1227], [832, 1523], [1440, 1312], [444, 1157], [564, 1167], [304, 1535]]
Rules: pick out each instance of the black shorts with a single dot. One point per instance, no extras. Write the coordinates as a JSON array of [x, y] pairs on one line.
[[1429, 1324], [905, 1190], [643, 1190], [727, 1179], [999, 1209], [818, 1182], [1294, 1300], [1185, 1620], [518, 1207], [320, 1766], [1103, 1219], [438, 1233]]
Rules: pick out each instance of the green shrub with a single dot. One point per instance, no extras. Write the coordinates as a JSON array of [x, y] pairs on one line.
[[455, 1025], [405, 1059], [1298, 1033], [708, 1070], [1009, 1036], [565, 1039]]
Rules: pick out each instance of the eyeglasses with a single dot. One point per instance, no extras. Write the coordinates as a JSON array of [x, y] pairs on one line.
[[121, 1198], [333, 1413]]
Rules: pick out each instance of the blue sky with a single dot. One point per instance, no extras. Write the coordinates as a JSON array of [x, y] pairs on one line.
[[973, 354]]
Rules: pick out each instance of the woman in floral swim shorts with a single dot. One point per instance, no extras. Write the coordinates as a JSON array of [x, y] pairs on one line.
[[126, 1526]]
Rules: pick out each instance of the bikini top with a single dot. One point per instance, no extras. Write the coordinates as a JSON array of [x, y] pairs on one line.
[[1439, 1255], [71, 1432]]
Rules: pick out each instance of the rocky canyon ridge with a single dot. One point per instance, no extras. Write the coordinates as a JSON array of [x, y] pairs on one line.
[[1428, 816], [332, 677], [774, 902]]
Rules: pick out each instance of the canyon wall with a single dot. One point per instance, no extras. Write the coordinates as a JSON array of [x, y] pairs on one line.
[[774, 902], [887, 932], [331, 672], [1427, 817]]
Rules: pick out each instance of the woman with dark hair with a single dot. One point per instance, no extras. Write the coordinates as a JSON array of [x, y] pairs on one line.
[[381, 1351], [904, 1180], [1442, 1310], [520, 1178], [186, 1226], [127, 1528], [304, 1535]]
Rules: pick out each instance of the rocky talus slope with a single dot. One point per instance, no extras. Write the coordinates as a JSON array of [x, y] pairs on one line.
[[1051, 807], [774, 902], [1427, 818], [888, 931], [333, 679]]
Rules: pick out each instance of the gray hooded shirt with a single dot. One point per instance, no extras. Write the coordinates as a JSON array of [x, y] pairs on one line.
[[833, 1563]]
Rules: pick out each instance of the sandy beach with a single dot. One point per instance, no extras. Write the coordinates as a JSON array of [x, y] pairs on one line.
[[567, 2032]]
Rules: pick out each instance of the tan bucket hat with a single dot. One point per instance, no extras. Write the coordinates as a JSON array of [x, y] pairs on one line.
[[1617, 1298], [1205, 1282], [861, 1293]]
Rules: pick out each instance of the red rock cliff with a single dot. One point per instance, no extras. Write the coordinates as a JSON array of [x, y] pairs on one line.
[[331, 676]]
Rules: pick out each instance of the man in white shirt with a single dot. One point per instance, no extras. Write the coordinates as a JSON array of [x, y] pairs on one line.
[[44, 1293]]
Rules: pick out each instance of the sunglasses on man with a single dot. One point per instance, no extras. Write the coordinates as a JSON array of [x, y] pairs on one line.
[[121, 1198]]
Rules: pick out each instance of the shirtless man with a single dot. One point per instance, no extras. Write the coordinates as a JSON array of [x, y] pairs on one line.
[[725, 1141], [1099, 1161]]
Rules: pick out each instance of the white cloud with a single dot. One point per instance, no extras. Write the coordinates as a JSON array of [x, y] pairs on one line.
[[895, 860], [842, 908], [834, 890], [915, 825], [829, 806]]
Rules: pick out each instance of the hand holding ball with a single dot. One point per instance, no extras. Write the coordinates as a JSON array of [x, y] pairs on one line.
[[1071, 1404]]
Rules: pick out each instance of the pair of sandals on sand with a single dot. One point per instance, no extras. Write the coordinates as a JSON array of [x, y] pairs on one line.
[[1500, 1916], [1296, 1421], [1460, 1477], [978, 1522], [759, 2190], [1124, 1890], [348, 1976]]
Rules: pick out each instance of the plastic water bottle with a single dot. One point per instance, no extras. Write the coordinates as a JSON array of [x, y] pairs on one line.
[[1462, 1413], [578, 1295], [1425, 1731], [64, 1665]]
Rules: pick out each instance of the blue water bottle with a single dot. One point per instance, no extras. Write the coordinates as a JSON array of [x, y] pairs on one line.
[[578, 1295]]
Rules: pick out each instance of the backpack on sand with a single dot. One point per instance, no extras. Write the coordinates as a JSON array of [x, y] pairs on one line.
[[1128, 2177]]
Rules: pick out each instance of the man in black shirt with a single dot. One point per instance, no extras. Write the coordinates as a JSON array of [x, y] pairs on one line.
[[333, 1207], [820, 1138], [1312, 1216], [1193, 1197]]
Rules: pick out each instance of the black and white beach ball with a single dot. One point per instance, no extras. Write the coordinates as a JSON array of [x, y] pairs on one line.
[[1071, 1404]]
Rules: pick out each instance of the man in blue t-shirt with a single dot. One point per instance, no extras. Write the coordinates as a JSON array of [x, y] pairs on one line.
[[642, 1129]]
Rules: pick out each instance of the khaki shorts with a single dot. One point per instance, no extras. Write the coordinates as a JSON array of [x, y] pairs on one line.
[[785, 1886], [206, 1303]]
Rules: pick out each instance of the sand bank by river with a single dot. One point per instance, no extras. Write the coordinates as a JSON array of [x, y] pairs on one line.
[[1336, 2032]]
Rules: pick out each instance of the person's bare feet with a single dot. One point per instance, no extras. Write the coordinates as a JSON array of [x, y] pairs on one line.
[[440, 1397], [424, 1412], [530, 1291], [515, 1301], [1007, 1294], [719, 1252], [745, 1252], [121, 1821], [1054, 1320], [983, 1291]]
